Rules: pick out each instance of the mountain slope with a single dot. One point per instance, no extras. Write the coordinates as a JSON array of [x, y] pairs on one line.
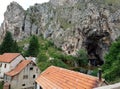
[[70, 24]]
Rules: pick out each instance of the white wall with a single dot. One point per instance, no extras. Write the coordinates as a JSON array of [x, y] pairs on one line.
[[3, 69], [16, 62]]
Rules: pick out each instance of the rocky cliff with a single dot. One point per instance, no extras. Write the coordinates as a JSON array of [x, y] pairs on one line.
[[70, 24]]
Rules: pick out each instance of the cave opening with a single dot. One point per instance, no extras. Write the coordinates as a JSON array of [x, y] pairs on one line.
[[94, 50], [94, 45]]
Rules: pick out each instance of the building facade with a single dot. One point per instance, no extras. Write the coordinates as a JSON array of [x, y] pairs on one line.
[[23, 76], [9, 61]]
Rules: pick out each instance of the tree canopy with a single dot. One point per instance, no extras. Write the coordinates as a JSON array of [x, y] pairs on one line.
[[33, 48], [82, 58], [112, 62], [8, 44]]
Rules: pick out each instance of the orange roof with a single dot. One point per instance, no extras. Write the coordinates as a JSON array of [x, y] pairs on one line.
[[59, 78], [19, 68], [8, 57]]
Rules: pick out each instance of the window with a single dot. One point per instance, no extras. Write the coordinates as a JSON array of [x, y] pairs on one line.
[[41, 87], [34, 76], [1, 65], [23, 84], [5, 65], [25, 76], [31, 68]]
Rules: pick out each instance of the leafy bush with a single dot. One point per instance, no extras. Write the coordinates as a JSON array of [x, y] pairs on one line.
[[112, 60], [82, 57]]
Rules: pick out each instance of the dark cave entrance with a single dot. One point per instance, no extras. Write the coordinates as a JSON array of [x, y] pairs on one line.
[[93, 45], [94, 53], [94, 50]]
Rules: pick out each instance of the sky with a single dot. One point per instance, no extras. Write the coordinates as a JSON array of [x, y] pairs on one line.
[[24, 3]]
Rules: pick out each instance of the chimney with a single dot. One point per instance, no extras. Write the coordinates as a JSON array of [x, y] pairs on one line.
[[100, 74]]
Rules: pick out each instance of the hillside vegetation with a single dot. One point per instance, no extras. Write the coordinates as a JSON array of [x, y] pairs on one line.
[[49, 55]]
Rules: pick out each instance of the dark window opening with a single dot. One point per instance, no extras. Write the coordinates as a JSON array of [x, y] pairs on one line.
[[23, 84], [31, 68], [5, 66], [34, 76], [1, 65], [41, 87]]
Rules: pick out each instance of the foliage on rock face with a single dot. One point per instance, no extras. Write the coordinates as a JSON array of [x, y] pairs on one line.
[[33, 48], [82, 58], [8, 44], [50, 55], [112, 63]]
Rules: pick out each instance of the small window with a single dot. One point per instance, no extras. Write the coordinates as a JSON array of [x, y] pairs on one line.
[[1, 65], [41, 87], [34, 76], [25, 76], [23, 84], [5, 65], [31, 68]]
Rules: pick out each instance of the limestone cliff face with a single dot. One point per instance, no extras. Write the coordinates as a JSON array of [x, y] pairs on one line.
[[70, 24], [13, 20]]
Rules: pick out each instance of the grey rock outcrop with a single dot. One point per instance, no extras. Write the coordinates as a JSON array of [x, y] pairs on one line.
[[13, 20], [70, 24]]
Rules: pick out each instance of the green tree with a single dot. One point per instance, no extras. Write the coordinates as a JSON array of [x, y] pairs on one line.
[[33, 48], [82, 58], [15, 47], [8, 44], [112, 62]]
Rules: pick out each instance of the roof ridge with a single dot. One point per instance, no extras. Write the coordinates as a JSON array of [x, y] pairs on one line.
[[65, 78]]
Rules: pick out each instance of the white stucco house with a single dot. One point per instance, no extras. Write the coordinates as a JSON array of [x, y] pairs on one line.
[[9, 61], [22, 76]]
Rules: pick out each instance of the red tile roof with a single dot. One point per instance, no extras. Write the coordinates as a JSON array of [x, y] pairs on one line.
[[59, 78], [19, 68], [8, 57]]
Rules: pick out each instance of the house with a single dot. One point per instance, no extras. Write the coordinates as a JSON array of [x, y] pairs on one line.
[[22, 76], [60, 78], [8, 61]]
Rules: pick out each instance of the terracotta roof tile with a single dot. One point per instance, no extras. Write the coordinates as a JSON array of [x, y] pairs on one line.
[[19, 68], [8, 57], [59, 78]]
